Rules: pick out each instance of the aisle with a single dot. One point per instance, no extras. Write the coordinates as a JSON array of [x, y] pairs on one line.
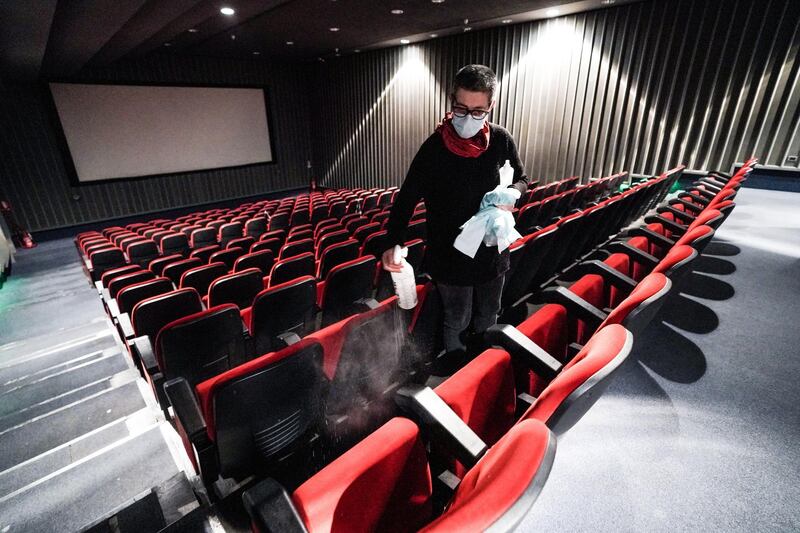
[[701, 432]]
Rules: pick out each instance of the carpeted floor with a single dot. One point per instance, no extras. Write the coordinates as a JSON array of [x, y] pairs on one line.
[[701, 432]]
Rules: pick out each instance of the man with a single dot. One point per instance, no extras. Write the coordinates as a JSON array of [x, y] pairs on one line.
[[451, 172]]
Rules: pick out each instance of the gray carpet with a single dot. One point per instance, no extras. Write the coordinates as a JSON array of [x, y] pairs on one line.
[[701, 432]]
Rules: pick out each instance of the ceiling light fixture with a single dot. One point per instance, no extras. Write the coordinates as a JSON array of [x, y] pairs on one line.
[[434, 35], [334, 29], [506, 21], [192, 30], [256, 53], [467, 28], [552, 12], [227, 11], [608, 2], [290, 43], [404, 41], [357, 51], [167, 44], [397, 11], [233, 37], [437, 1]]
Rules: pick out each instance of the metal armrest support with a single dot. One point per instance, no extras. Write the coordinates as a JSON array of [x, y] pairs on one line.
[[686, 204], [608, 273], [711, 184], [523, 350], [271, 509], [671, 225], [442, 423], [634, 253], [688, 218], [574, 304], [652, 236], [697, 198], [706, 193]]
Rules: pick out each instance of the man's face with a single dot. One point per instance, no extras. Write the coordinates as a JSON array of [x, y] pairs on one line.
[[469, 101]]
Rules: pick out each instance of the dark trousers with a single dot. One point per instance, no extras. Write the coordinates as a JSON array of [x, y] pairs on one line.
[[457, 301]]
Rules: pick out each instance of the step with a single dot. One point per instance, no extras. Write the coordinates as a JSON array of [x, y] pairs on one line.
[[16, 418], [25, 473], [36, 436], [83, 492]]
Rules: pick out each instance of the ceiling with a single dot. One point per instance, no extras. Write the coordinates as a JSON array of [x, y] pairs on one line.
[[58, 38]]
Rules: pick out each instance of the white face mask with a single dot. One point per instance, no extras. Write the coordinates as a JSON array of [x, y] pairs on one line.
[[467, 127]]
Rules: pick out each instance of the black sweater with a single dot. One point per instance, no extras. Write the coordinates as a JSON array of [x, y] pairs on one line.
[[452, 187]]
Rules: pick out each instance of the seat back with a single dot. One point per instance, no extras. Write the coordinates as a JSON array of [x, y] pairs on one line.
[[329, 239], [272, 244], [582, 381], [239, 288], [293, 248], [203, 237], [142, 252], [201, 277], [120, 282], [677, 264], [262, 260], [344, 285], [292, 268], [200, 346], [205, 253], [176, 243], [152, 314], [106, 259], [110, 274], [374, 244], [336, 254], [227, 256], [176, 269], [536, 248], [230, 231], [640, 307], [128, 297], [157, 266], [282, 308], [255, 227]]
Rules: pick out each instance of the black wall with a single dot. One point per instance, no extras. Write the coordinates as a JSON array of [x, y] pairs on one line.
[[33, 175]]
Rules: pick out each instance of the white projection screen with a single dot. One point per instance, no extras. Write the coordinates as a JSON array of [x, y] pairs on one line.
[[125, 131]]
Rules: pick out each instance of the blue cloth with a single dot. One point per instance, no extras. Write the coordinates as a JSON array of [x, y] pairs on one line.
[[491, 225]]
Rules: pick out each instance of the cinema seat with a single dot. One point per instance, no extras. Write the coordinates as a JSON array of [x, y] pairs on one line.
[[482, 393], [286, 308], [384, 484], [200, 277], [272, 244], [106, 259], [176, 243], [262, 260], [330, 238], [291, 268], [120, 282], [200, 238], [374, 244], [131, 295], [150, 315], [108, 275], [142, 252], [205, 253], [344, 286], [227, 256], [241, 242], [247, 420], [294, 248], [175, 270], [156, 266], [255, 227], [239, 289], [336, 254]]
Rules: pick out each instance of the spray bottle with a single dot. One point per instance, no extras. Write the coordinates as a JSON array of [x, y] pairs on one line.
[[404, 283]]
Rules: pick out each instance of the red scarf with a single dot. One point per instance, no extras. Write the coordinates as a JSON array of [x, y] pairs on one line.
[[472, 147]]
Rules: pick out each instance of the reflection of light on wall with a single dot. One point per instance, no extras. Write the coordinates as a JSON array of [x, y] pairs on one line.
[[410, 82]]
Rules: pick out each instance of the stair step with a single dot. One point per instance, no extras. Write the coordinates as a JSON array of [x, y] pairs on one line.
[[33, 437], [83, 492], [17, 417], [27, 472]]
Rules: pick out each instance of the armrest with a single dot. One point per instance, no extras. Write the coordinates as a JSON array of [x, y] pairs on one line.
[[524, 350], [125, 326], [608, 273], [711, 184], [574, 304], [366, 304], [443, 424], [706, 193], [143, 351], [650, 235], [686, 204], [524, 401], [271, 509], [187, 411], [288, 338], [671, 225], [720, 174], [99, 286], [696, 197], [113, 308], [634, 253], [677, 213]]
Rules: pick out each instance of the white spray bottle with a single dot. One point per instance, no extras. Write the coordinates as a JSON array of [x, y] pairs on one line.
[[404, 283]]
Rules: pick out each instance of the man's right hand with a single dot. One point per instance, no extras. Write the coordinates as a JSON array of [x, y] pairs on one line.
[[388, 261]]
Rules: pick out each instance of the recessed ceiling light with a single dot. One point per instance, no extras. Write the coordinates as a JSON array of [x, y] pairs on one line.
[[467, 28], [192, 30], [552, 12], [397, 11], [357, 51], [227, 11], [290, 43], [167, 44], [506, 21], [608, 2], [434, 35], [404, 41], [334, 29], [437, 1], [256, 53]]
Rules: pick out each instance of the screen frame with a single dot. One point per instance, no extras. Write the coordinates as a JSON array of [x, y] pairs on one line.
[[69, 163]]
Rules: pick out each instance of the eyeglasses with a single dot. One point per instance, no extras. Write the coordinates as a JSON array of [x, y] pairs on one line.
[[462, 111]]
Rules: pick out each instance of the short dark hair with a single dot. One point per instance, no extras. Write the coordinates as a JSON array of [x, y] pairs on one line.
[[476, 78]]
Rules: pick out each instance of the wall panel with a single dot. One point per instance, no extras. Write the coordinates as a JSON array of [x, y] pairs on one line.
[[639, 87]]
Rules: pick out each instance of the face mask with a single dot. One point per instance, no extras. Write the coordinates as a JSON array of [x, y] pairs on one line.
[[466, 126]]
